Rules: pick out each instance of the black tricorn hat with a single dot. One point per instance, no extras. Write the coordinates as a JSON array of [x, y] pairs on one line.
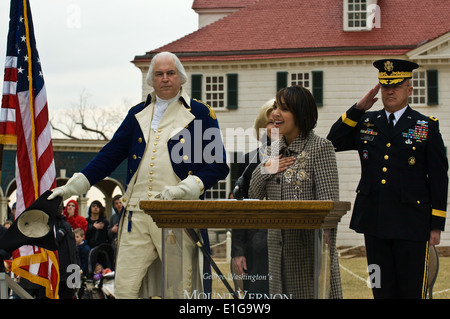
[[394, 71], [35, 226]]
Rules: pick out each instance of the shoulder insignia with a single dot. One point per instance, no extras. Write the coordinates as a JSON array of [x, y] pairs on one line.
[[212, 114], [433, 118]]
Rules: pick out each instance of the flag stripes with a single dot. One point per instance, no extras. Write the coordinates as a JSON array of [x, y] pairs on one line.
[[24, 121]]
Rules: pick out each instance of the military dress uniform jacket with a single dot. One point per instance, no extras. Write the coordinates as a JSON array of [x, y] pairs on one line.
[[187, 147], [402, 193]]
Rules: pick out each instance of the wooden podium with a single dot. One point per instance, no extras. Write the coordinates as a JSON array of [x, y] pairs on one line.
[[247, 214]]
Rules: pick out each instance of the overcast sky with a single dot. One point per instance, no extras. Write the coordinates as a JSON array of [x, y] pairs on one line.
[[88, 44]]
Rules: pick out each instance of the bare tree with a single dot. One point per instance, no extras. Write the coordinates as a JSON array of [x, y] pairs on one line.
[[86, 121]]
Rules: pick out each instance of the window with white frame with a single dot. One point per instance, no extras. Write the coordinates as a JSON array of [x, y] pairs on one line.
[[303, 79], [218, 191], [215, 91], [361, 15], [357, 13], [419, 84]]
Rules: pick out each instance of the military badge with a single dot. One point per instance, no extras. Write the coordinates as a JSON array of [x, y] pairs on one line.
[[369, 131], [367, 123], [419, 133], [394, 71], [365, 154], [368, 135], [388, 66]]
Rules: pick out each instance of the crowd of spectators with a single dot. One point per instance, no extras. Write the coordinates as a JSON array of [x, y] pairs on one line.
[[76, 237]]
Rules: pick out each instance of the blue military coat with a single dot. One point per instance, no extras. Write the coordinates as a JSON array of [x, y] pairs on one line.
[[196, 149]]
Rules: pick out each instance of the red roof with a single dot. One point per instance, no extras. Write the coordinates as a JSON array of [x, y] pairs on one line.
[[292, 28], [214, 4]]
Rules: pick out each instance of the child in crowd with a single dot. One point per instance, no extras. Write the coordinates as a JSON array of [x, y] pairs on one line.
[[83, 249], [99, 271]]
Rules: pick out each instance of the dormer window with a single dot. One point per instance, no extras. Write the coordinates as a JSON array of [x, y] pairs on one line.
[[360, 15], [357, 14]]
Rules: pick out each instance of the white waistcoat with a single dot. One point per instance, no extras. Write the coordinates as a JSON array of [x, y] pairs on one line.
[[155, 170]]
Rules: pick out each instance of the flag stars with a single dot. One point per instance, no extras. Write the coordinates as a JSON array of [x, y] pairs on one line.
[[27, 63]]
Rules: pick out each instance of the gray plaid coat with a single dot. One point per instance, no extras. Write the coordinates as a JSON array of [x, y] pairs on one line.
[[313, 176]]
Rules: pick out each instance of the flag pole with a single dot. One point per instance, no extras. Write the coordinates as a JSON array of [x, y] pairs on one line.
[[31, 97], [23, 118], [1, 168], [1, 160]]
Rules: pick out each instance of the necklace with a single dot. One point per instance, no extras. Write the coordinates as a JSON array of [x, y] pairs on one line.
[[296, 173]]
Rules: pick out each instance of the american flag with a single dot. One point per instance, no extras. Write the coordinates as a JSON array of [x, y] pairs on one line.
[[24, 121]]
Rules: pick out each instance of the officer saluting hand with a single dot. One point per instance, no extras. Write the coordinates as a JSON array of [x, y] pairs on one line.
[[401, 199]]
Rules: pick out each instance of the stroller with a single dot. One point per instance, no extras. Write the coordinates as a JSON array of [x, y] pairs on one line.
[[94, 286]]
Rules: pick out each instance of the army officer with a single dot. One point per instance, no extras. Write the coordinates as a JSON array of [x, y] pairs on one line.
[[401, 199]]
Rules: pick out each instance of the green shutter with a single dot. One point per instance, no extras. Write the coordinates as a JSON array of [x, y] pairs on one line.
[[196, 88], [282, 80], [232, 91], [432, 87], [317, 87]]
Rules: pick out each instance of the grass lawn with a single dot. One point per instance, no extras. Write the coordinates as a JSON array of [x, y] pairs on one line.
[[354, 271]]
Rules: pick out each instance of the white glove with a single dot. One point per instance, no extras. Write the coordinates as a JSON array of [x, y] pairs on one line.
[[78, 184], [189, 188]]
